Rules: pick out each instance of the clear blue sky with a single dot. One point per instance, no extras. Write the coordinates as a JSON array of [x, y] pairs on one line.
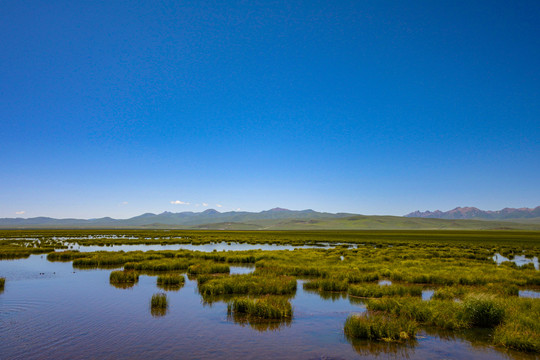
[[115, 108]]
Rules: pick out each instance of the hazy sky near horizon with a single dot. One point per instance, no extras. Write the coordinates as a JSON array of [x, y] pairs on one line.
[[116, 108]]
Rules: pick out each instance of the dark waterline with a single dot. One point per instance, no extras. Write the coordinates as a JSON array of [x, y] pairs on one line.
[[51, 311]]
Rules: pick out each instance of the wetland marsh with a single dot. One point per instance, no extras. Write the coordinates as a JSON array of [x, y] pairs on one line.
[[430, 294]]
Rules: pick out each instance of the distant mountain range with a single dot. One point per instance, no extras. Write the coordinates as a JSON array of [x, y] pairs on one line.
[[284, 219], [187, 218], [475, 213]]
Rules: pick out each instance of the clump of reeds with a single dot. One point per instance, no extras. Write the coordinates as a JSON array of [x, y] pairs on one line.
[[171, 281], [248, 284], [211, 268], [157, 265], [123, 277], [65, 255], [449, 293], [268, 307], [521, 328], [159, 300], [377, 291], [517, 336], [332, 284], [103, 260], [159, 304], [445, 314], [363, 277], [380, 327], [2, 283], [483, 310]]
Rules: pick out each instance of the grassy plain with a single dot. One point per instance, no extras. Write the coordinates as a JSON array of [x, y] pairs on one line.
[[314, 223], [470, 289]]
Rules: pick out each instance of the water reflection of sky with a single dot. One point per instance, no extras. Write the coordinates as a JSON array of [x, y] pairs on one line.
[[222, 246], [517, 259]]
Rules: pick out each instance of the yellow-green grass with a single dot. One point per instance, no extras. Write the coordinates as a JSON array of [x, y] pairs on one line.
[[268, 307], [159, 304], [208, 268], [377, 291], [377, 326], [520, 329], [123, 277], [159, 300], [170, 281], [483, 310], [331, 284], [477, 310], [504, 240], [159, 265], [248, 284], [67, 255]]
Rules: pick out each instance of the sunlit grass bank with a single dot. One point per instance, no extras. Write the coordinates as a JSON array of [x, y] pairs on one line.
[[377, 291], [248, 285], [332, 284], [478, 310], [159, 265], [376, 326], [520, 328], [67, 255], [208, 268]]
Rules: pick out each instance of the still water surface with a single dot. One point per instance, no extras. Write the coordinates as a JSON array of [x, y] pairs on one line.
[[51, 311], [519, 260], [222, 246]]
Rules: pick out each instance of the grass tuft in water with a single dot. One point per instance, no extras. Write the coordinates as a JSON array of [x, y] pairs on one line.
[[208, 269], [248, 284], [332, 284], [483, 310], [268, 307], [2, 283], [445, 314], [377, 291], [170, 282], [124, 277], [378, 326], [159, 304], [159, 300]]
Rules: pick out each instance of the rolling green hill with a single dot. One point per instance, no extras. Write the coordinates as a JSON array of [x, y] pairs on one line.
[[359, 222], [275, 219]]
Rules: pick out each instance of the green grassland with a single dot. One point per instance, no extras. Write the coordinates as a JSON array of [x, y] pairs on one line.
[[22, 243], [360, 222]]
